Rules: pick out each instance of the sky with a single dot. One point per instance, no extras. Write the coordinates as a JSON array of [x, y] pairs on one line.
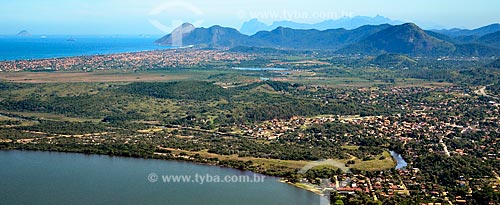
[[159, 17]]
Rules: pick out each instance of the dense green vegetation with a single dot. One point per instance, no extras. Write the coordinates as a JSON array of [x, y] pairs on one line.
[[214, 119], [201, 91], [446, 170]]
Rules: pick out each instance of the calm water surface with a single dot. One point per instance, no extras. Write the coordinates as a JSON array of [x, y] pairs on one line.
[[35, 47], [62, 178], [401, 163]]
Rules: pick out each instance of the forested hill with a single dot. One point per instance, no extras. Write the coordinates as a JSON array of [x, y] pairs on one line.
[[408, 39]]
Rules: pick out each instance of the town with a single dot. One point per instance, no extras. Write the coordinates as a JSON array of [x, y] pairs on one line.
[[170, 58]]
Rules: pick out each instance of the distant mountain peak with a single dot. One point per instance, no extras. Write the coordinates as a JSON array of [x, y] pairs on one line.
[[254, 25], [215, 36], [175, 38], [185, 28], [411, 25], [185, 25]]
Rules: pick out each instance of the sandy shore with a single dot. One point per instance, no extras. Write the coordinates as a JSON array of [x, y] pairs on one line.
[[307, 187]]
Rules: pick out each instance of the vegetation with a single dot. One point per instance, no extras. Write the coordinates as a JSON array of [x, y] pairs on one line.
[[346, 109]]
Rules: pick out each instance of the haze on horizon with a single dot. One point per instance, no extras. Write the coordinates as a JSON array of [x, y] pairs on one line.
[[108, 17]]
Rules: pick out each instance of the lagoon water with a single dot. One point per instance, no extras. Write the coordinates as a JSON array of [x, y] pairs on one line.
[[400, 161], [36, 47], [63, 178], [261, 69]]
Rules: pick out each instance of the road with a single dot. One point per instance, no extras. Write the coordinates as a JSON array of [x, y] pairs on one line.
[[482, 91], [445, 148], [371, 189]]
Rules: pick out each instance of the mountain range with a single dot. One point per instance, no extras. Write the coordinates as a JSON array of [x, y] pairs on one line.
[[408, 39], [253, 26], [467, 32]]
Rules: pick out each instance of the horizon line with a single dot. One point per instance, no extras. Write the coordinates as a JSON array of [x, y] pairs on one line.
[[238, 29]]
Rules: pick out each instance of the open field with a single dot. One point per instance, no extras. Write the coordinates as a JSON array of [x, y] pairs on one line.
[[221, 75], [51, 116], [293, 164], [59, 77], [371, 165], [376, 164]]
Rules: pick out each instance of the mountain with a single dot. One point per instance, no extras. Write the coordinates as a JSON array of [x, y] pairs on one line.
[[492, 39], [253, 26], [281, 37], [314, 39], [486, 36], [23, 33], [215, 36], [407, 39], [465, 39], [466, 32], [404, 39], [177, 35], [474, 49], [440, 36]]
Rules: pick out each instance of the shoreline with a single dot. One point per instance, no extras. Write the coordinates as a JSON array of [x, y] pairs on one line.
[[147, 44], [89, 55], [304, 187], [201, 161], [182, 160]]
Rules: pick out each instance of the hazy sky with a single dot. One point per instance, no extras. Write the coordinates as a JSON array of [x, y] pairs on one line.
[[159, 16]]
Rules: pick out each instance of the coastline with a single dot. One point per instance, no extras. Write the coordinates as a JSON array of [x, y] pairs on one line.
[[137, 172], [185, 160], [90, 55], [206, 159], [304, 186], [83, 46]]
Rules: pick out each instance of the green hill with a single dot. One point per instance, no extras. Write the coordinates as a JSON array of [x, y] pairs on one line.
[[404, 39], [390, 60]]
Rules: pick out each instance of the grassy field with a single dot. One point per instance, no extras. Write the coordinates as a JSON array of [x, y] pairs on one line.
[[371, 165], [105, 76], [220, 75], [261, 161], [376, 164], [55, 117], [224, 77]]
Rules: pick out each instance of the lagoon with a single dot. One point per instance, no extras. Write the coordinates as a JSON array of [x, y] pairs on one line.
[[261, 69], [401, 163], [53, 178]]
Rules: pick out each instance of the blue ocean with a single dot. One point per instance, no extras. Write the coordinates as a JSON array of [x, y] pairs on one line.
[[38, 47]]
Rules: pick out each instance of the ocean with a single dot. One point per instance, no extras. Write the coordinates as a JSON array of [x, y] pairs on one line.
[[39, 47]]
